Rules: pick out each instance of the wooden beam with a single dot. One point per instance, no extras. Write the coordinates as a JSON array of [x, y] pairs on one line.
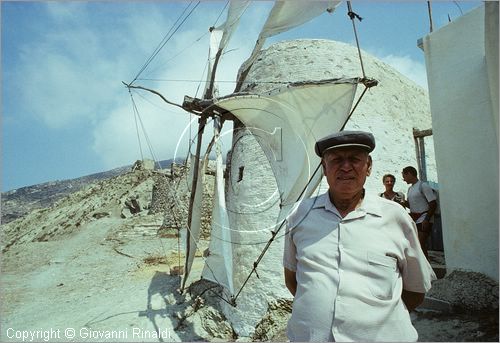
[[201, 127], [421, 133], [206, 108]]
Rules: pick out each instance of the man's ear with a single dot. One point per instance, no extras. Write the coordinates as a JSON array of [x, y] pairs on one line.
[[323, 165], [370, 164]]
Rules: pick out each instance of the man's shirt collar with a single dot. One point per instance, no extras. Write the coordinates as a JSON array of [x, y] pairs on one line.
[[368, 205]]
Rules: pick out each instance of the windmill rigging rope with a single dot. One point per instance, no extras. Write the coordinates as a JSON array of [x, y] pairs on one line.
[[353, 15], [220, 14], [146, 136], [167, 37], [183, 49], [136, 126], [158, 48], [285, 82], [166, 61], [137, 117]]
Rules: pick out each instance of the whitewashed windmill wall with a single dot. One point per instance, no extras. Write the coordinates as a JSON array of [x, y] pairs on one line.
[[390, 111]]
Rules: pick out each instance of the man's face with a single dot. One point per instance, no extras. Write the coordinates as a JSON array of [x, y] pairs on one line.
[[346, 170], [406, 177]]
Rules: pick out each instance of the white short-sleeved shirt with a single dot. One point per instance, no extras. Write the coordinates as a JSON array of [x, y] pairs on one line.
[[419, 203], [350, 272]]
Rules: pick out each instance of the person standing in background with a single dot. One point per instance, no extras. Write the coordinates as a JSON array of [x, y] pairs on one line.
[[389, 180], [422, 203]]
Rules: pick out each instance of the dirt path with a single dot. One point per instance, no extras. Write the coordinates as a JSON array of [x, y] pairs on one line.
[[82, 283]]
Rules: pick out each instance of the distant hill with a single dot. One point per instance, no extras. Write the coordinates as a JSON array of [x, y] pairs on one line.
[[19, 202]]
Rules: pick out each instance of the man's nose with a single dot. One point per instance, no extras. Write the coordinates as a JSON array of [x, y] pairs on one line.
[[346, 165]]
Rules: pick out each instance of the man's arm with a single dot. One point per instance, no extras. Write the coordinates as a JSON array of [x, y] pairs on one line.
[[412, 299], [428, 216], [290, 281], [432, 208]]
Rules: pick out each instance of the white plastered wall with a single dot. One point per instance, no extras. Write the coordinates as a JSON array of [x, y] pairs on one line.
[[462, 72]]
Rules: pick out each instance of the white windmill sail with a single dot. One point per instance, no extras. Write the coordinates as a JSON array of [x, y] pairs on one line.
[[284, 16], [234, 13], [219, 263], [215, 42], [220, 37], [287, 122]]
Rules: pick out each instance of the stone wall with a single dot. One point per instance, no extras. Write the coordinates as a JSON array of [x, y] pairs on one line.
[[170, 196]]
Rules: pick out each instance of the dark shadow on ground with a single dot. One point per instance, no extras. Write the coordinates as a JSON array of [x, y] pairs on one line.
[[175, 307], [456, 326]]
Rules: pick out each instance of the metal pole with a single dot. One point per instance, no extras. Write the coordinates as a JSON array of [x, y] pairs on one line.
[[430, 14], [202, 121]]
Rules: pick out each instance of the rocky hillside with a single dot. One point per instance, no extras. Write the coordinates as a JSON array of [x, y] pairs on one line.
[[65, 209], [18, 202], [68, 214]]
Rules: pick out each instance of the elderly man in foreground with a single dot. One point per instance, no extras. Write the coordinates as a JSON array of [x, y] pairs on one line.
[[352, 260]]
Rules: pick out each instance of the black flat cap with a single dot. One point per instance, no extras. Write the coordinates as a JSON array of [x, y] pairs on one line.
[[361, 139]]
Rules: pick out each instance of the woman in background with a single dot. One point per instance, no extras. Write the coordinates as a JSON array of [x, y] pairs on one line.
[[389, 180]]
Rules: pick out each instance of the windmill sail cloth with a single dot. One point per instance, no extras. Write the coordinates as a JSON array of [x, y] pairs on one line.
[[286, 15], [287, 123], [193, 233], [234, 13], [215, 39], [190, 177], [219, 263], [221, 35]]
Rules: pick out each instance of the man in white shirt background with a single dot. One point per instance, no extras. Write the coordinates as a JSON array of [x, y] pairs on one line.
[[422, 203]]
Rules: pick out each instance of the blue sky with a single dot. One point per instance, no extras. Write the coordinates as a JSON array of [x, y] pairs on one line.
[[65, 112]]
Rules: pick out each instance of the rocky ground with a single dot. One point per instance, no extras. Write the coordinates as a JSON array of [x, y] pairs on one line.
[[89, 269]]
